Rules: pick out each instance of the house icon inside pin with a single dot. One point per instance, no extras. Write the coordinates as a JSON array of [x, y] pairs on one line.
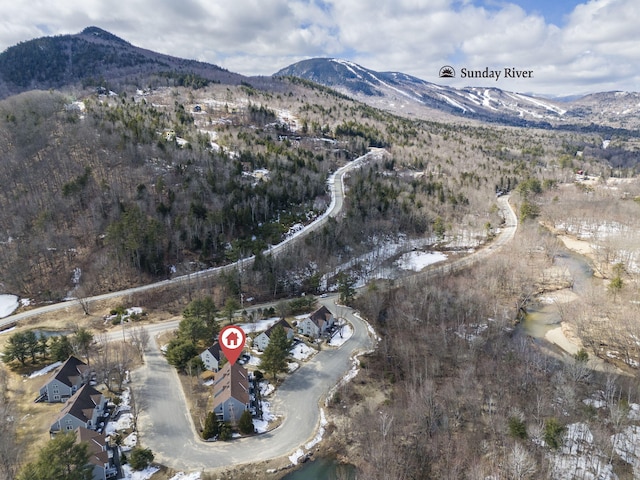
[[231, 340]]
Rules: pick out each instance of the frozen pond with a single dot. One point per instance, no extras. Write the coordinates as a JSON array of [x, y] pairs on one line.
[[8, 304]]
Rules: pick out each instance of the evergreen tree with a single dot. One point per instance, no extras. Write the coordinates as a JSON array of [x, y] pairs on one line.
[[180, 352], [211, 426], [245, 424], [16, 349], [193, 329], [345, 287], [61, 348], [140, 458], [274, 358], [60, 459], [205, 310]]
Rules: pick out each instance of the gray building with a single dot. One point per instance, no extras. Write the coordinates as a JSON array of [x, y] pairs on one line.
[[86, 408], [65, 381], [231, 393]]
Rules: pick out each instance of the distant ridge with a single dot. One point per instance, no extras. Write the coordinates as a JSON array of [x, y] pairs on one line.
[[93, 57], [405, 93]]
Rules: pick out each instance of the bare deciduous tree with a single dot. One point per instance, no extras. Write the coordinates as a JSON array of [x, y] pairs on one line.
[[139, 337], [8, 442]]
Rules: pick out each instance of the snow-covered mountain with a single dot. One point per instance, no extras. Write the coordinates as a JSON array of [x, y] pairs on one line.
[[401, 92]]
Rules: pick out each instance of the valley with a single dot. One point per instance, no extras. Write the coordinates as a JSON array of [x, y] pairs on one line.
[[174, 182]]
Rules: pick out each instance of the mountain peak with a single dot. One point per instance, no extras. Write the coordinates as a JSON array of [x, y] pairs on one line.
[[97, 32]]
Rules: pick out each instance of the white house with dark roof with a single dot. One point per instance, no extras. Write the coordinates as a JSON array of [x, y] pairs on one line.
[[316, 324], [261, 341], [63, 382], [86, 408], [211, 357]]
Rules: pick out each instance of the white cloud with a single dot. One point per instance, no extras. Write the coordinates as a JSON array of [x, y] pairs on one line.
[[596, 48]]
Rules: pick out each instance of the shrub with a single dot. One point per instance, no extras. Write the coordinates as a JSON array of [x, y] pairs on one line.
[[517, 428], [553, 433], [140, 458]]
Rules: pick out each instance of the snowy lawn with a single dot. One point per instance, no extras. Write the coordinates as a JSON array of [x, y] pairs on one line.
[[302, 351], [262, 425], [292, 367], [145, 474], [124, 422], [259, 326], [266, 388], [342, 336]]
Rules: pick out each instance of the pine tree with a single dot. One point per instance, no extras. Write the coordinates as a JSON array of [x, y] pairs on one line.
[[274, 358], [245, 424], [211, 426], [60, 459]]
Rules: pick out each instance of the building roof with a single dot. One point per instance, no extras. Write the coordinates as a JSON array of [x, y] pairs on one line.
[[82, 404], [282, 323], [320, 316], [231, 381], [214, 350], [69, 372], [96, 445]]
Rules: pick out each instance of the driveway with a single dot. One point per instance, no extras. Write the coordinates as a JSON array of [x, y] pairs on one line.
[[167, 429]]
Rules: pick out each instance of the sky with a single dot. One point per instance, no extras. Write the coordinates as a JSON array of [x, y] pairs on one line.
[[570, 47]]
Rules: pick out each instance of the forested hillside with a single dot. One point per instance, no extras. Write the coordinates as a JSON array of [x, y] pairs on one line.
[[131, 187], [96, 58]]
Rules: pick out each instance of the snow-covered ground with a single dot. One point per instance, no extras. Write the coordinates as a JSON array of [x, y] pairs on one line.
[[580, 458], [341, 337], [302, 351], [417, 260], [146, 474], [262, 425], [45, 370], [259, 326], [8, 304]]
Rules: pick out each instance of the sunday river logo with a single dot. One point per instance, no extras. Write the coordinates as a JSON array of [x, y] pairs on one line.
[[507, 72]]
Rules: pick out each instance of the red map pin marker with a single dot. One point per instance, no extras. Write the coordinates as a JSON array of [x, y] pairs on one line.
[[231, 340]]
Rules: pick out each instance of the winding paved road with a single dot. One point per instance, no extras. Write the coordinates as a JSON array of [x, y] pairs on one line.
[[167, 428], [337, 190], [165, 425]]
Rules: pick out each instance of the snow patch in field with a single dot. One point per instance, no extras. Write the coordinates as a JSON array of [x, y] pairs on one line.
[[579, 457], [8, 304], [259, 326], [146, 474], [266, 389], [45, 370], [292, 367], [416, 261], [186, 476]]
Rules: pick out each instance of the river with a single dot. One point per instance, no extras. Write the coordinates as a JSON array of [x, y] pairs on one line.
[[543, 316], [323, 469]]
